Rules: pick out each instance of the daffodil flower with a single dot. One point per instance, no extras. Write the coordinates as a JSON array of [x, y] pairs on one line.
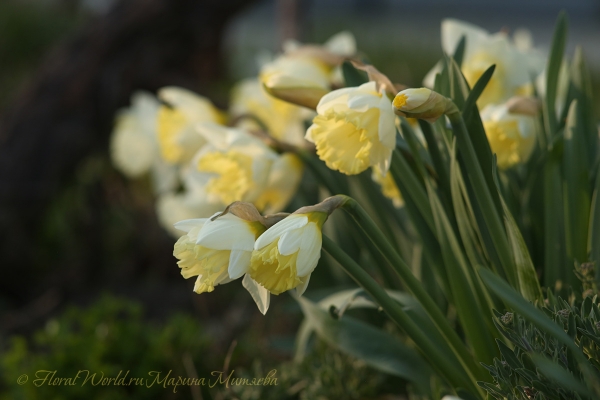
[[304, 73], [177, 136], [218, 249], [354, 129], [287, 253], [134, 145], [233, 166], [511, 135], [284, 178], [515, 65]]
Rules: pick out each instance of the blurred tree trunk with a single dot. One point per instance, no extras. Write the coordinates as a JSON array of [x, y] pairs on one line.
[[67, 111]]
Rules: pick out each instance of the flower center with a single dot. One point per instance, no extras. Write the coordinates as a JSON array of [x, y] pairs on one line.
[[208, 264], [170, 123], [234, 174], [276, 272], [507, 142], [344, 140], [400, 101]]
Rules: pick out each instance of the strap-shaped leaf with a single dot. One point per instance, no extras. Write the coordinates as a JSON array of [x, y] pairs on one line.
[[470, 311], [537, 317], [554, 372], [459, 50], [554, 254], [557, 50], [476, 91], [576, 187], [365, 342], [594, 229]]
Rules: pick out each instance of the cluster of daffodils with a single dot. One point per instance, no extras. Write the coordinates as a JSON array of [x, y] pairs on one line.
[[223, 180], [200, 158], [510, 131], [274, 253], [245, 161]]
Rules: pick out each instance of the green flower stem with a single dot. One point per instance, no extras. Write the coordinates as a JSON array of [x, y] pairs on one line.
[[446, 368], [414, 286], [483, 195], [334, 188], [401, 170]]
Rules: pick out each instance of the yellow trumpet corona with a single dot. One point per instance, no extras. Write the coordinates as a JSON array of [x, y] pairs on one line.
[[287, 253], [354, 129], [511, 136]]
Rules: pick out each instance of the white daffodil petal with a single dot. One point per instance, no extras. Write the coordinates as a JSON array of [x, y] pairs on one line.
[[274, 232], [381, 157], [310, 250], [342, 43], [260, 295], [284, 178], [227, 233], [187, 224], [387, 128], [239, 262], [302, 288], [195, 107], [335, 97], [453, 30], [362, 103], [290, 241]]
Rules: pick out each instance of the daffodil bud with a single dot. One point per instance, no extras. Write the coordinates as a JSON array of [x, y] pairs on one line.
[[354, 129], [421, 103], [302, 96], [298, 80], [304, 73], [287, 253]]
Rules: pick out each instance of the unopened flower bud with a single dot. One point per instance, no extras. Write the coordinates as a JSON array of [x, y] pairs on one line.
[[302, 96], [421, 103]]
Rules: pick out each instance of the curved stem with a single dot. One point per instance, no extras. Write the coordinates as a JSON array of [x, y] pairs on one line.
[[414, 286], [446, 368], [483, 194]]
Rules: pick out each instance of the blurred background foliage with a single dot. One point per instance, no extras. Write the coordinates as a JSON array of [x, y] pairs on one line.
[[89, 231]]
